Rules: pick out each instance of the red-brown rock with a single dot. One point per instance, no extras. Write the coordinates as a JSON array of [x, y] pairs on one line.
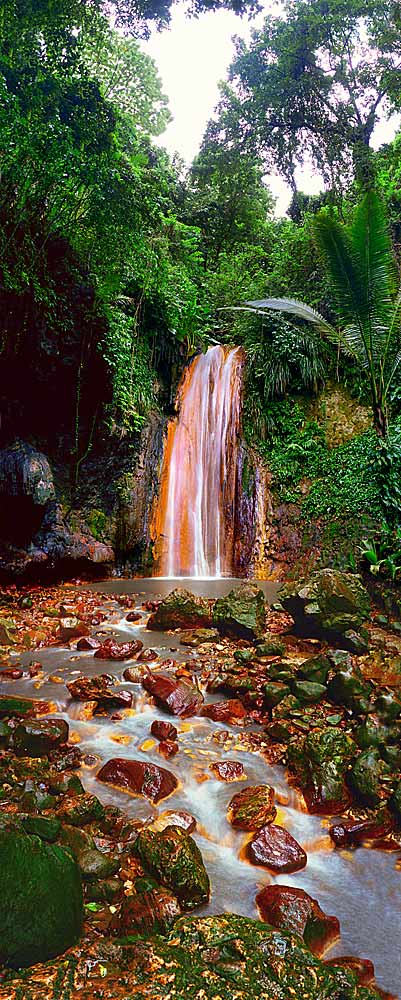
[[168, 748], [98, 689], [351, 832], [163, 730], [88, 642], [11, 674], [175, 696], [146, 913], [362, 968], [147, 655], [295, 911], [140, 777], [71, 628], [252, 807], [225, 711], [227, 770], [112, 650], [275, 848], [133, 616]]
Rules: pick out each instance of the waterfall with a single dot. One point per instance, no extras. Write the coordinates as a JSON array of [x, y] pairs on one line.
[[193, 525]]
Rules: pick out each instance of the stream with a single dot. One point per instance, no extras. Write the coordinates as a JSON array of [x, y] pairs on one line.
[[360, 887]]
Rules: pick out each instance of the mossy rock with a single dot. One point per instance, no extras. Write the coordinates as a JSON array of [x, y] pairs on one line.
[[349, 689], [308, 692], [242, 612], [316, 669], [366, 777], [41, 905], [271, 646], [320, 764], [329, 604], [37, 737], [175, 860], [181, 609], [16, 706], [236, 958]]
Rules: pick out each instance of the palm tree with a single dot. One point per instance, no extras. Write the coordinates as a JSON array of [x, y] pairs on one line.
[[361, 269]]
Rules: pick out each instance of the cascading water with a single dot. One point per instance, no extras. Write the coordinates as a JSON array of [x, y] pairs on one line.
[[193, 526]]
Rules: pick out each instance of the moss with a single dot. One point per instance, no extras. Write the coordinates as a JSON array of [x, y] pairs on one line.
[[97, 524], [174, 858]]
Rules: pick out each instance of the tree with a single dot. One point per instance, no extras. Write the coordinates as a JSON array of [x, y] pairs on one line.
[[310, 87], [361, 270]]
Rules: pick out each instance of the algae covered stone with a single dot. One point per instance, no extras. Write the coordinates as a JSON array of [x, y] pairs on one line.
[[41, 907], [320, 763], [175, 860], [181, 609], [242, 612], [329, 603]]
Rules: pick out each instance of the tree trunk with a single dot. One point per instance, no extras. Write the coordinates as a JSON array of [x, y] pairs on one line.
[[380, 420]]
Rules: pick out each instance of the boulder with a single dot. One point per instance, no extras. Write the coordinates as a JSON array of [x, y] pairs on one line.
[[176, 697], [10, 706], [252, 807], [348, 688], [296, 911], [320, 764], [242, 613], [181, 609], [41, 906], [275, 848], [353, 832], [327, 605], [81, 809], [140, 777], [366, 776], [228, 770], [38, 737], [176, 861]]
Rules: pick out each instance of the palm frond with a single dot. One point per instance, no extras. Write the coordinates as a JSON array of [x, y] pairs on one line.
[[372, 248], [302, 311], [335, 247]]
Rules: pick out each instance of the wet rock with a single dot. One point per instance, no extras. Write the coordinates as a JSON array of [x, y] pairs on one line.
[[320, 764], [24, 707], [228, 770], [98, 690], [181, 609], [244, 656], [252, 807], [356, 641], [88, 642], [71, 628], [366, 776], [81, 810], [149, 912], [41, 906], [242, 613], [352, 832], [274, 692], [275, 848], [231, 711], [10, 674], [361, 968], [38, 737], [44, 827], [95, 865], [316, 669], [199, 636], [388, 706], [348, 688], [176, 861], [133, 616], [147, 656], [168, 748], [329, 604], [107, 890], [176, 697], [296, 911], [140, 777], [308, 692], [163, 730], [271, 646], [112, 650], [7, 632], [174, 817]]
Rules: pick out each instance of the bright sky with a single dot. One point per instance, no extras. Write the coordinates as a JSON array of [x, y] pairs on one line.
[[192, 57]]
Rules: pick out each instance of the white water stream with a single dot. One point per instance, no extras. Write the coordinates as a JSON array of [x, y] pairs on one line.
[[362, 888]]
